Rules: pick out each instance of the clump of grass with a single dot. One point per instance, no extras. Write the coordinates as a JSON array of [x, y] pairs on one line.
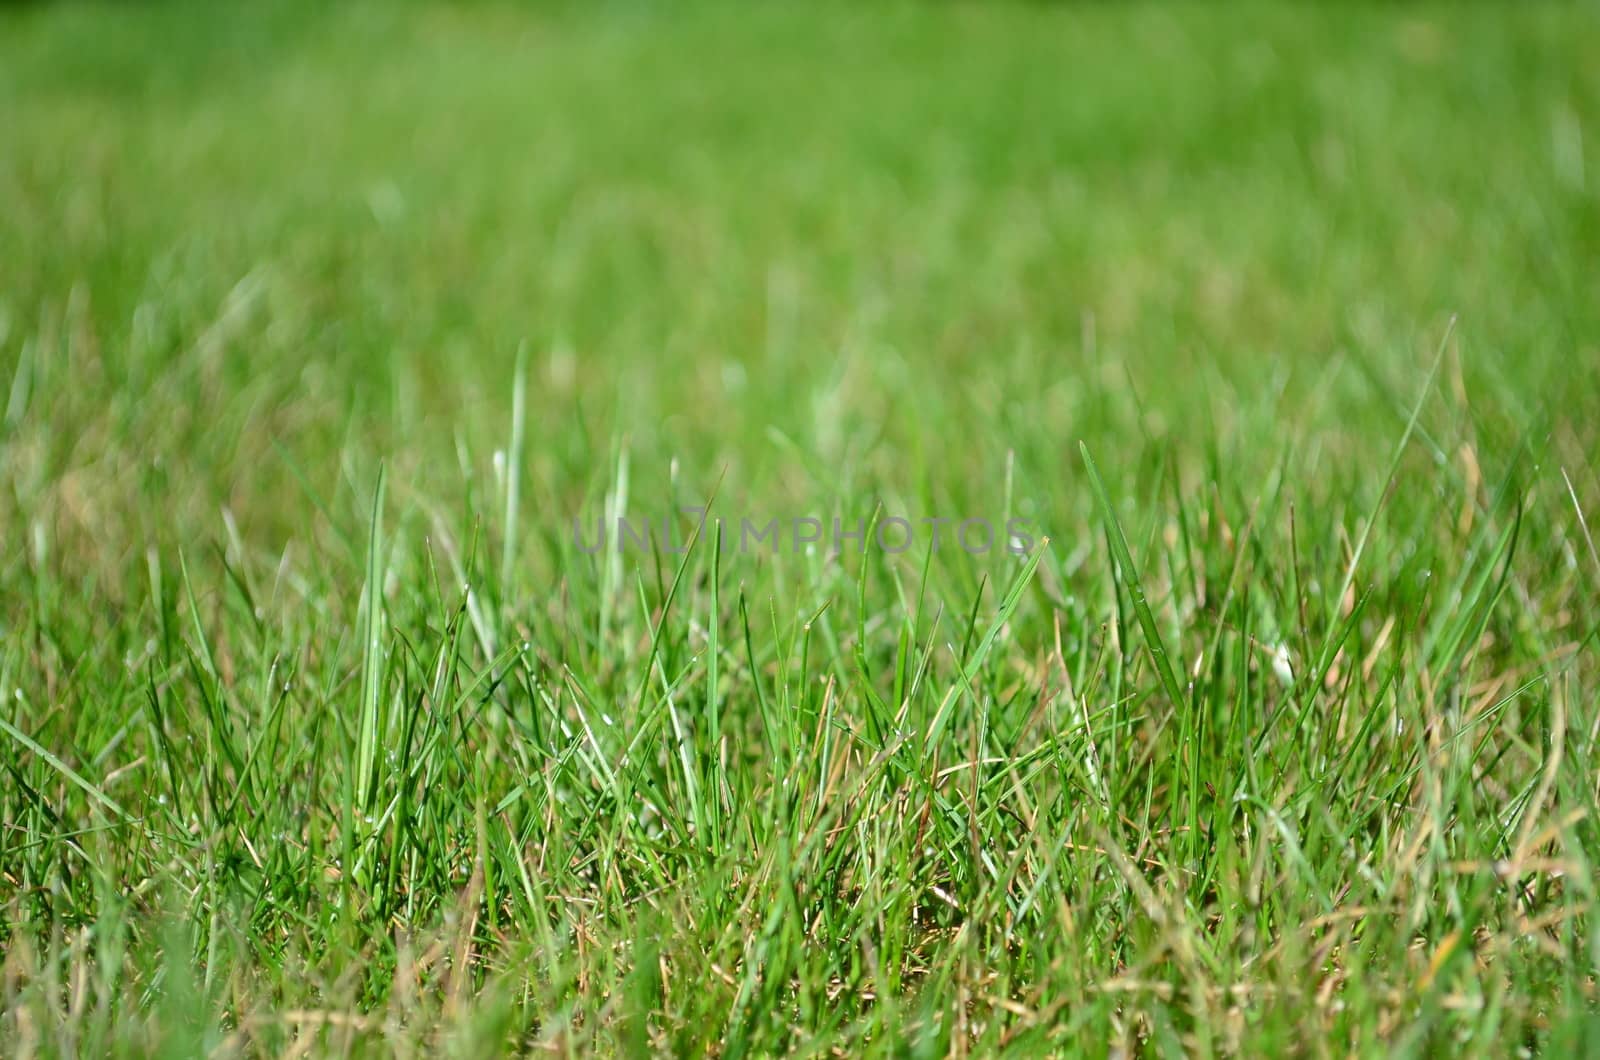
[[322, 733]]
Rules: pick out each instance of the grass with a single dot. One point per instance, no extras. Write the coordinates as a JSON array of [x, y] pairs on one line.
[[321, 732]]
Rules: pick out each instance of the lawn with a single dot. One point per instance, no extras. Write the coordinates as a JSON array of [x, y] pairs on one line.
[[1148, 598]]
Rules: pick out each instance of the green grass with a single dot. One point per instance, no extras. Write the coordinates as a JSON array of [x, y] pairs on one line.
[[320, 732]]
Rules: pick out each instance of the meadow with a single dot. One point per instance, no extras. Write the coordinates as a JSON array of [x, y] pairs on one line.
[[1264, 338]]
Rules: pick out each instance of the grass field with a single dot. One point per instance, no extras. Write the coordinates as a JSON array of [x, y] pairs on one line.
[[1273, 729]]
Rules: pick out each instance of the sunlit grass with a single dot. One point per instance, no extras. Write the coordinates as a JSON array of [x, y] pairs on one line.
[[1276, 327]]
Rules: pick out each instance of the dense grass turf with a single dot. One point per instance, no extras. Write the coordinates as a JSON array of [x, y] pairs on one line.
[[320, 731]]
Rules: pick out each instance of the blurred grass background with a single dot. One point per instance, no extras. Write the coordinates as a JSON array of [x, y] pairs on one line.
[[785, 216]]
